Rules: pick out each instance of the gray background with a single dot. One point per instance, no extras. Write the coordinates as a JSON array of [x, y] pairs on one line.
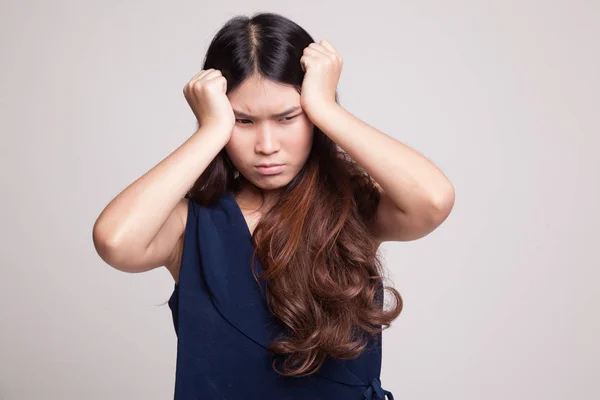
[[501, 302]]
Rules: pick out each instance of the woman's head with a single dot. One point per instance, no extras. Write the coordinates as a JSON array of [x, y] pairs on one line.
[[315, 244], [259, 56]]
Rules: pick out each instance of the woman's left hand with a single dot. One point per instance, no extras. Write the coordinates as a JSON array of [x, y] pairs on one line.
[[323, 66]]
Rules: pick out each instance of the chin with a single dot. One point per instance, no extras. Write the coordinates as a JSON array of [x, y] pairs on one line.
[[273, 182]]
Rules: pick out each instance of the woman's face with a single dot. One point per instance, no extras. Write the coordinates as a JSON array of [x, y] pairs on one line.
[[262, 135]]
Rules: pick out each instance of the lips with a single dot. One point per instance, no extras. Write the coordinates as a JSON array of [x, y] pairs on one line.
[[269, 169], [269, 165]]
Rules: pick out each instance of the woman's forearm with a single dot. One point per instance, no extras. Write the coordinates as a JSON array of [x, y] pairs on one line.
[[134, 217]]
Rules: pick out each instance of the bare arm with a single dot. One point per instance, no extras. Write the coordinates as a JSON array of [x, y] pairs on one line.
[[140, 228]]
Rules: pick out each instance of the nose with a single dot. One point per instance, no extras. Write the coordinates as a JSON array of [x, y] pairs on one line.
[[267, 141]]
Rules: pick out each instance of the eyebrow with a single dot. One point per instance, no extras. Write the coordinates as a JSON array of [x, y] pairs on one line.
[[281, 114]]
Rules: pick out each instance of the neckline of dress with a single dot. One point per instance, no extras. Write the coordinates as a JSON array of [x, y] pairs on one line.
[[240, 214]]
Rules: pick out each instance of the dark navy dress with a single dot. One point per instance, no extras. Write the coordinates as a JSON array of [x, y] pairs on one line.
[[223, 323]]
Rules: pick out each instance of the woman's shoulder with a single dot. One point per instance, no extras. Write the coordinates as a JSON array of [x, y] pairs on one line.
[[180, 216], [188, 210]]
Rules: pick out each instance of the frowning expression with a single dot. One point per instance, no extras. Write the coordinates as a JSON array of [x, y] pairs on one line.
[[270, 129]]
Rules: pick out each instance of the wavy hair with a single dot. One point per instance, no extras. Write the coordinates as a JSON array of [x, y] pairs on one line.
[[324, 280]]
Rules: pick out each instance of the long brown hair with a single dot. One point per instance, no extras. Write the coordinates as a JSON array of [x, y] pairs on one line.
[[316, 247]]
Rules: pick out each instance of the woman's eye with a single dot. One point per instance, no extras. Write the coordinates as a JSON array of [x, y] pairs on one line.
[[287, 119], [247, 121]]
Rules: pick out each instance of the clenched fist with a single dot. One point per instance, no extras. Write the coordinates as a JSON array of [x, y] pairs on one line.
[[206, 95]]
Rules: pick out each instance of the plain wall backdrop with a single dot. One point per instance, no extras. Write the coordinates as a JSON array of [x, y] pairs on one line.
[[500, 302]]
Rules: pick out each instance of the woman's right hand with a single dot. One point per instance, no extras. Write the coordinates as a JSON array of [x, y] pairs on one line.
[[206, 95]]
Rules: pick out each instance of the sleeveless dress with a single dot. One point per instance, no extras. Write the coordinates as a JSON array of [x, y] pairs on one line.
[[223, 323]]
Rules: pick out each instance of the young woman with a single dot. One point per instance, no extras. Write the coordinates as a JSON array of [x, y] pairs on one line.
[[269, 218]]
